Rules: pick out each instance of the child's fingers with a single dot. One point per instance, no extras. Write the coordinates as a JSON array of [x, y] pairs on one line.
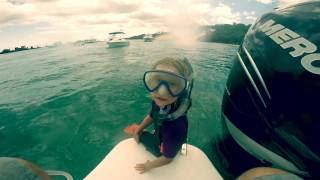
[[141, 168], [139, 165], [141, 172], [131, 129]]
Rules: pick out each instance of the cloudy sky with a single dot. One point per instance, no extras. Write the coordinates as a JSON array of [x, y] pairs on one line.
[[41, 22]]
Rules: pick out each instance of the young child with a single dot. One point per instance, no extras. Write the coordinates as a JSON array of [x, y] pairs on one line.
[[169, 83]]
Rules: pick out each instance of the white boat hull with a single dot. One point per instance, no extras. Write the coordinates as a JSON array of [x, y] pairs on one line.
[[120, 162], [148, 39], [114, 44]]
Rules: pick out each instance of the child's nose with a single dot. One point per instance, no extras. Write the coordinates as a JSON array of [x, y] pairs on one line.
[[163, 91]]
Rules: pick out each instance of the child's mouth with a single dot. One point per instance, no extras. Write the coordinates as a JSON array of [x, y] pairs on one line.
[[161, 99]]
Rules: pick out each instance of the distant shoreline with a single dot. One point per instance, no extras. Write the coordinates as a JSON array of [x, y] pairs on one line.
[[220, 33], [17, 49]]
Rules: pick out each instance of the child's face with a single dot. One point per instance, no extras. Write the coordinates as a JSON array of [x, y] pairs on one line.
[[162, 97]]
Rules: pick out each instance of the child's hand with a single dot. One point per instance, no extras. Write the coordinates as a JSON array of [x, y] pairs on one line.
[[134, 131], [131, 129], [144, 167]]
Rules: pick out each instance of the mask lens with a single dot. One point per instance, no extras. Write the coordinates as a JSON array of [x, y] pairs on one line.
[[174, 83]]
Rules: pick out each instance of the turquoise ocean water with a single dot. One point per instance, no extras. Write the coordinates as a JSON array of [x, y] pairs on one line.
[[64, 108]]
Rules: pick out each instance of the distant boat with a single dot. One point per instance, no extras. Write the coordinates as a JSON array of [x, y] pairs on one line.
[[148, 38], [117, 39], [86, 41]]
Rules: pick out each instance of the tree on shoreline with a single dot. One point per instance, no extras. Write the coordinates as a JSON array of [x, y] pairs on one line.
[[225, 33]]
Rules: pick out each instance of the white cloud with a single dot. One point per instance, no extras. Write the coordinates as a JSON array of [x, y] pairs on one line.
[[9, 14], [224, 14], [95, 18], [213, 13], [105, 11], [265, 1], [251, 16]]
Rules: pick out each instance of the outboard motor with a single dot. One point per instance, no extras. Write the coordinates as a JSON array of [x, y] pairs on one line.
[[271, 104]]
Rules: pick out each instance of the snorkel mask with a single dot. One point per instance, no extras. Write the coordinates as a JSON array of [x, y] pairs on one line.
[[156, 79], [176, 85]]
